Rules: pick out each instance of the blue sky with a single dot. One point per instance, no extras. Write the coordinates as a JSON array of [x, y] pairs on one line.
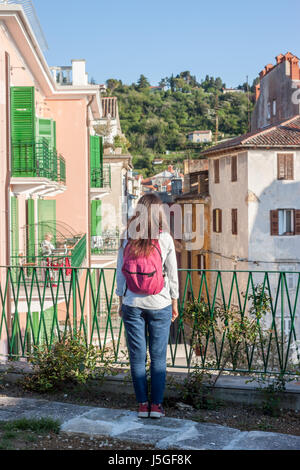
[[124, 38]]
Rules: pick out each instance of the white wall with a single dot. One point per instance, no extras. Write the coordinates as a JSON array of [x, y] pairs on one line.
[[271, 193], [228, 195]]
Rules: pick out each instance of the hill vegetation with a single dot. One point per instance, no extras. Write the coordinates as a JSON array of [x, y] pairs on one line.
[[156, 120]]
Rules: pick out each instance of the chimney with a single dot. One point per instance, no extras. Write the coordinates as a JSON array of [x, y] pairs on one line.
[[78, 73], [268, 68], [279, 58], [295, 73]]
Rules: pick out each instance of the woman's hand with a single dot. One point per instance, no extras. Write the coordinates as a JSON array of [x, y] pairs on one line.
[[120, 306], [175, 313]]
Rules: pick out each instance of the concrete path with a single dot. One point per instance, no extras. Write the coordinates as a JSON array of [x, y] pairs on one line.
[[167, 433]]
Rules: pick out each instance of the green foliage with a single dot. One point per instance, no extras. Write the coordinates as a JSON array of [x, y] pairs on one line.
[[195, 392], [271, 389], [42, 425], [68, 361], [160, 120], [242, 330]]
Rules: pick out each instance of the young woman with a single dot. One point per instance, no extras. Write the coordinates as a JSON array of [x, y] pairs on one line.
[[147, 285]]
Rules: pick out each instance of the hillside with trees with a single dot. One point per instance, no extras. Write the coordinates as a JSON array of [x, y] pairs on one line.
[[156, 120]]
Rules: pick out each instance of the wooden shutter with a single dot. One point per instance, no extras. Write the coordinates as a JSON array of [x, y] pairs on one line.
[[289, 166], [217, 170], [23, 131], [274, 222], [285, 166], [234, 168], [220, 220], [234, 222], [297, 222], [214, 220], [95, 161]]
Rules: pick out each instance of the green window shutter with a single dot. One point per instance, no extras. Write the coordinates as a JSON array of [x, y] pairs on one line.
[[96, 228], [30, 231], [54, 133], [101, 152], [44, 130], [14, 205], [95, 161], [22, 114], [23, 131], [46, 220]]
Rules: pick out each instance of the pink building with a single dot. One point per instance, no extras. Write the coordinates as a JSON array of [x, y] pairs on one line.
[[53, 176]]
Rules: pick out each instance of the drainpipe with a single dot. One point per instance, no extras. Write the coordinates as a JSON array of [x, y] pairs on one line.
[[7, 184]]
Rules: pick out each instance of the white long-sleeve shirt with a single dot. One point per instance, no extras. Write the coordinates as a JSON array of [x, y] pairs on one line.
[[170, 289]]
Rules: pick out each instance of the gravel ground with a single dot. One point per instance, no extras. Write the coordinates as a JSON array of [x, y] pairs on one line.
[[245, 418], [31, 441]]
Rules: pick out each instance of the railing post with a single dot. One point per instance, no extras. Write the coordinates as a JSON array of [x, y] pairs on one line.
[[74, 296]]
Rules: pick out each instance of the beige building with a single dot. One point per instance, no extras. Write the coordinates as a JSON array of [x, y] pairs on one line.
[[200, 136]]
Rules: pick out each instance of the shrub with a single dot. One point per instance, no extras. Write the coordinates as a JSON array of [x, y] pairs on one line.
[[69, 361]]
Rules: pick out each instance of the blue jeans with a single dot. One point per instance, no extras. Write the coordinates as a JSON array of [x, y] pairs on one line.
[[157, 323]]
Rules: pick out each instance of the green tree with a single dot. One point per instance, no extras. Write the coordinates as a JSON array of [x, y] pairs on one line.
[[142, 83]]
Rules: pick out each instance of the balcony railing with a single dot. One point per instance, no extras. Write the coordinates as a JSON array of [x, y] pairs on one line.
[[101, 178], [36, 159], [106, 244], [47, 268], [240, 321]]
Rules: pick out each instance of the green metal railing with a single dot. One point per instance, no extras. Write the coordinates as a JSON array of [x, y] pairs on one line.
[[79, 252], [241, 321], [101, 178], [105, 245], [36, 159], [62, 169]]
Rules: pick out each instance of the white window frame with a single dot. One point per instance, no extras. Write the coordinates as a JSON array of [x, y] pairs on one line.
[[282, 220]]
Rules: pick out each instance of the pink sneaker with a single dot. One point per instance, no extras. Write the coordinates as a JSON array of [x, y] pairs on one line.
[[157, 411], [143, 410]]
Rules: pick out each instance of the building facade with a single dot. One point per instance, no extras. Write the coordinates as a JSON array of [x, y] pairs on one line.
[[278, 92], [256, 226]]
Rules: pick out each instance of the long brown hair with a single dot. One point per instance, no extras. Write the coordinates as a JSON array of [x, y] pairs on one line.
[[146, 230]]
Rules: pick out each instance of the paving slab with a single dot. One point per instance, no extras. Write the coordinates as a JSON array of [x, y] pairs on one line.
[[167, 433], [207, 437], [258, 440]]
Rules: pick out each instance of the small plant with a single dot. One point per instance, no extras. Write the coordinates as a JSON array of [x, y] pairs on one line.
[[195, 392], [271, 389], [69, 361], [42, 425]]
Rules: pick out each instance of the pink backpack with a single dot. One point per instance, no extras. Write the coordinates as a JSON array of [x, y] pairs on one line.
[[144, 275]]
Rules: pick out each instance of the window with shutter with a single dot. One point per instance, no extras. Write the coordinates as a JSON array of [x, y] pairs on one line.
[[96, 161], [297, 222], [234, 222], [23, 131], [214, 220], [46, 220], [96, 229], [285, 166], [234, 168], [274, 222], [217, 171], [217, 220]]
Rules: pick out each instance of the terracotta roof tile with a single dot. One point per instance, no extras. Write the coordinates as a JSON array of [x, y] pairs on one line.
[[284, 134]]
